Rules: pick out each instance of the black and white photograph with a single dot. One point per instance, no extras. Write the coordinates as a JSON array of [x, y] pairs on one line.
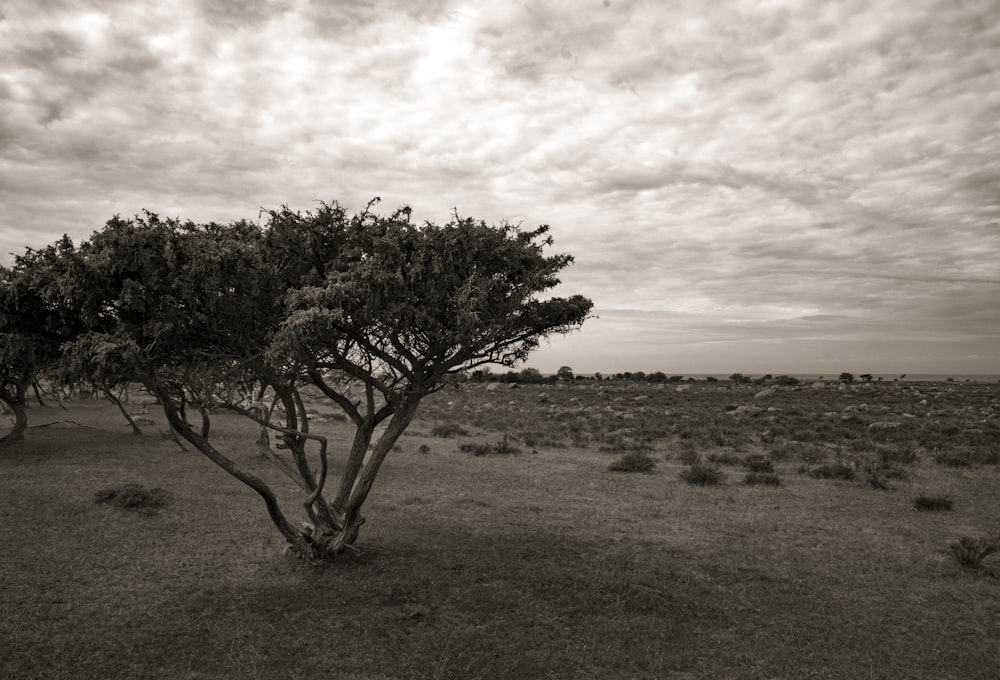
[[444, 339]]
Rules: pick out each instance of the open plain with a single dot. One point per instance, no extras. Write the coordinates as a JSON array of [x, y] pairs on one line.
[[499, 544]]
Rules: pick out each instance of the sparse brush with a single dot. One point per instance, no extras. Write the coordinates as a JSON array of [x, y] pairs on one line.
[[449, 430], [953, 458], [833, 471], [501, 448], [932, 503], [633, 461], [724, 459], [703, 475], [134, 497], [689, 456], [970, 552], [766, 478], [903, 454], [877, 483], [758, 463]]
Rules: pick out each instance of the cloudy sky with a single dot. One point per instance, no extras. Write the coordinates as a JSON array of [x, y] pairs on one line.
[[748, 185]]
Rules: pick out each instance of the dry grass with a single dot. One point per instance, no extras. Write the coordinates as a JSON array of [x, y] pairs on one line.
[[533, 566]]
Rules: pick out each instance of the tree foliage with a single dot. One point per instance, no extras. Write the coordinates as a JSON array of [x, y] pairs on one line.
[[375, 312], [35, 317]]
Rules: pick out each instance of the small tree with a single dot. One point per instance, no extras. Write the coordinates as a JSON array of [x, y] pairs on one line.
[[565, 373], [846, 377], [374, 312]]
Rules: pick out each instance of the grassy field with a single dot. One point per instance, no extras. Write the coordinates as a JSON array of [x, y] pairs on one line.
[[538, 563]]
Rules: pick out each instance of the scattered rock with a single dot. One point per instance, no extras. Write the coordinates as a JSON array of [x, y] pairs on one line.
[[884, 425], [764, 394]]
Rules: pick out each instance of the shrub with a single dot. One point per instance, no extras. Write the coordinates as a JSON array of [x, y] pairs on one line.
[[893, 472], [953, 458], [633, 461], [134, 497], [424, 448], [758, 463], [449, 430], [833, 471], [876, 482], [689, 456], [501, 448], [905, 454], [767, 478], [932, 503], [970, 552], [724, 459], [702, 474]]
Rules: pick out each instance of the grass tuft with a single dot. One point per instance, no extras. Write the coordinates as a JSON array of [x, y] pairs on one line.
[[134, 497], [970, 552], [703, 474], [765, 478], [633, 461], [932, 503], [449, 430], [500, 448], [833, 471]]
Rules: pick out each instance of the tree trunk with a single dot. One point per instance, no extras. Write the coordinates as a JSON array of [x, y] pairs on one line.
[[117, 402], [295, 538], [38, 393], [17, 405]]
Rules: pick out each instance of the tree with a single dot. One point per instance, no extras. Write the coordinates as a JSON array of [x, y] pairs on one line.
[[373, 312], [739, 378], [34, 319], [867, 377], [565, 373], [846, 377]]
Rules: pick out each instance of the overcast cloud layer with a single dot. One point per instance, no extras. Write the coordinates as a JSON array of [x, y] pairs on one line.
[[754, 186]]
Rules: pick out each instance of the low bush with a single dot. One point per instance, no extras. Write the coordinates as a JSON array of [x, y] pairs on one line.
[[449, 430], [633, 461], [766, 478], [904, 454], [833, 471], [932, 503], [703, 475], [758, 463], [970, 552], [953, 458], [424, 449], [689, 456], [500, 448], [724, 459], [877, 483], [134, 497]]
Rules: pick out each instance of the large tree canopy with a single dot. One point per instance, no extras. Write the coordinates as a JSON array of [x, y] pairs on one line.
[[374, 311]]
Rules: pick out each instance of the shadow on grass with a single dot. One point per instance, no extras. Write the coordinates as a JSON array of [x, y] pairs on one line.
[[449, 607]]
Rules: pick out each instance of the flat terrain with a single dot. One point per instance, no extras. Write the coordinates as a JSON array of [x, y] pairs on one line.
[[534, 564]]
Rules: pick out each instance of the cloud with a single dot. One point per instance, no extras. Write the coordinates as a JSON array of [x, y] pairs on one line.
[[777, 172]]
